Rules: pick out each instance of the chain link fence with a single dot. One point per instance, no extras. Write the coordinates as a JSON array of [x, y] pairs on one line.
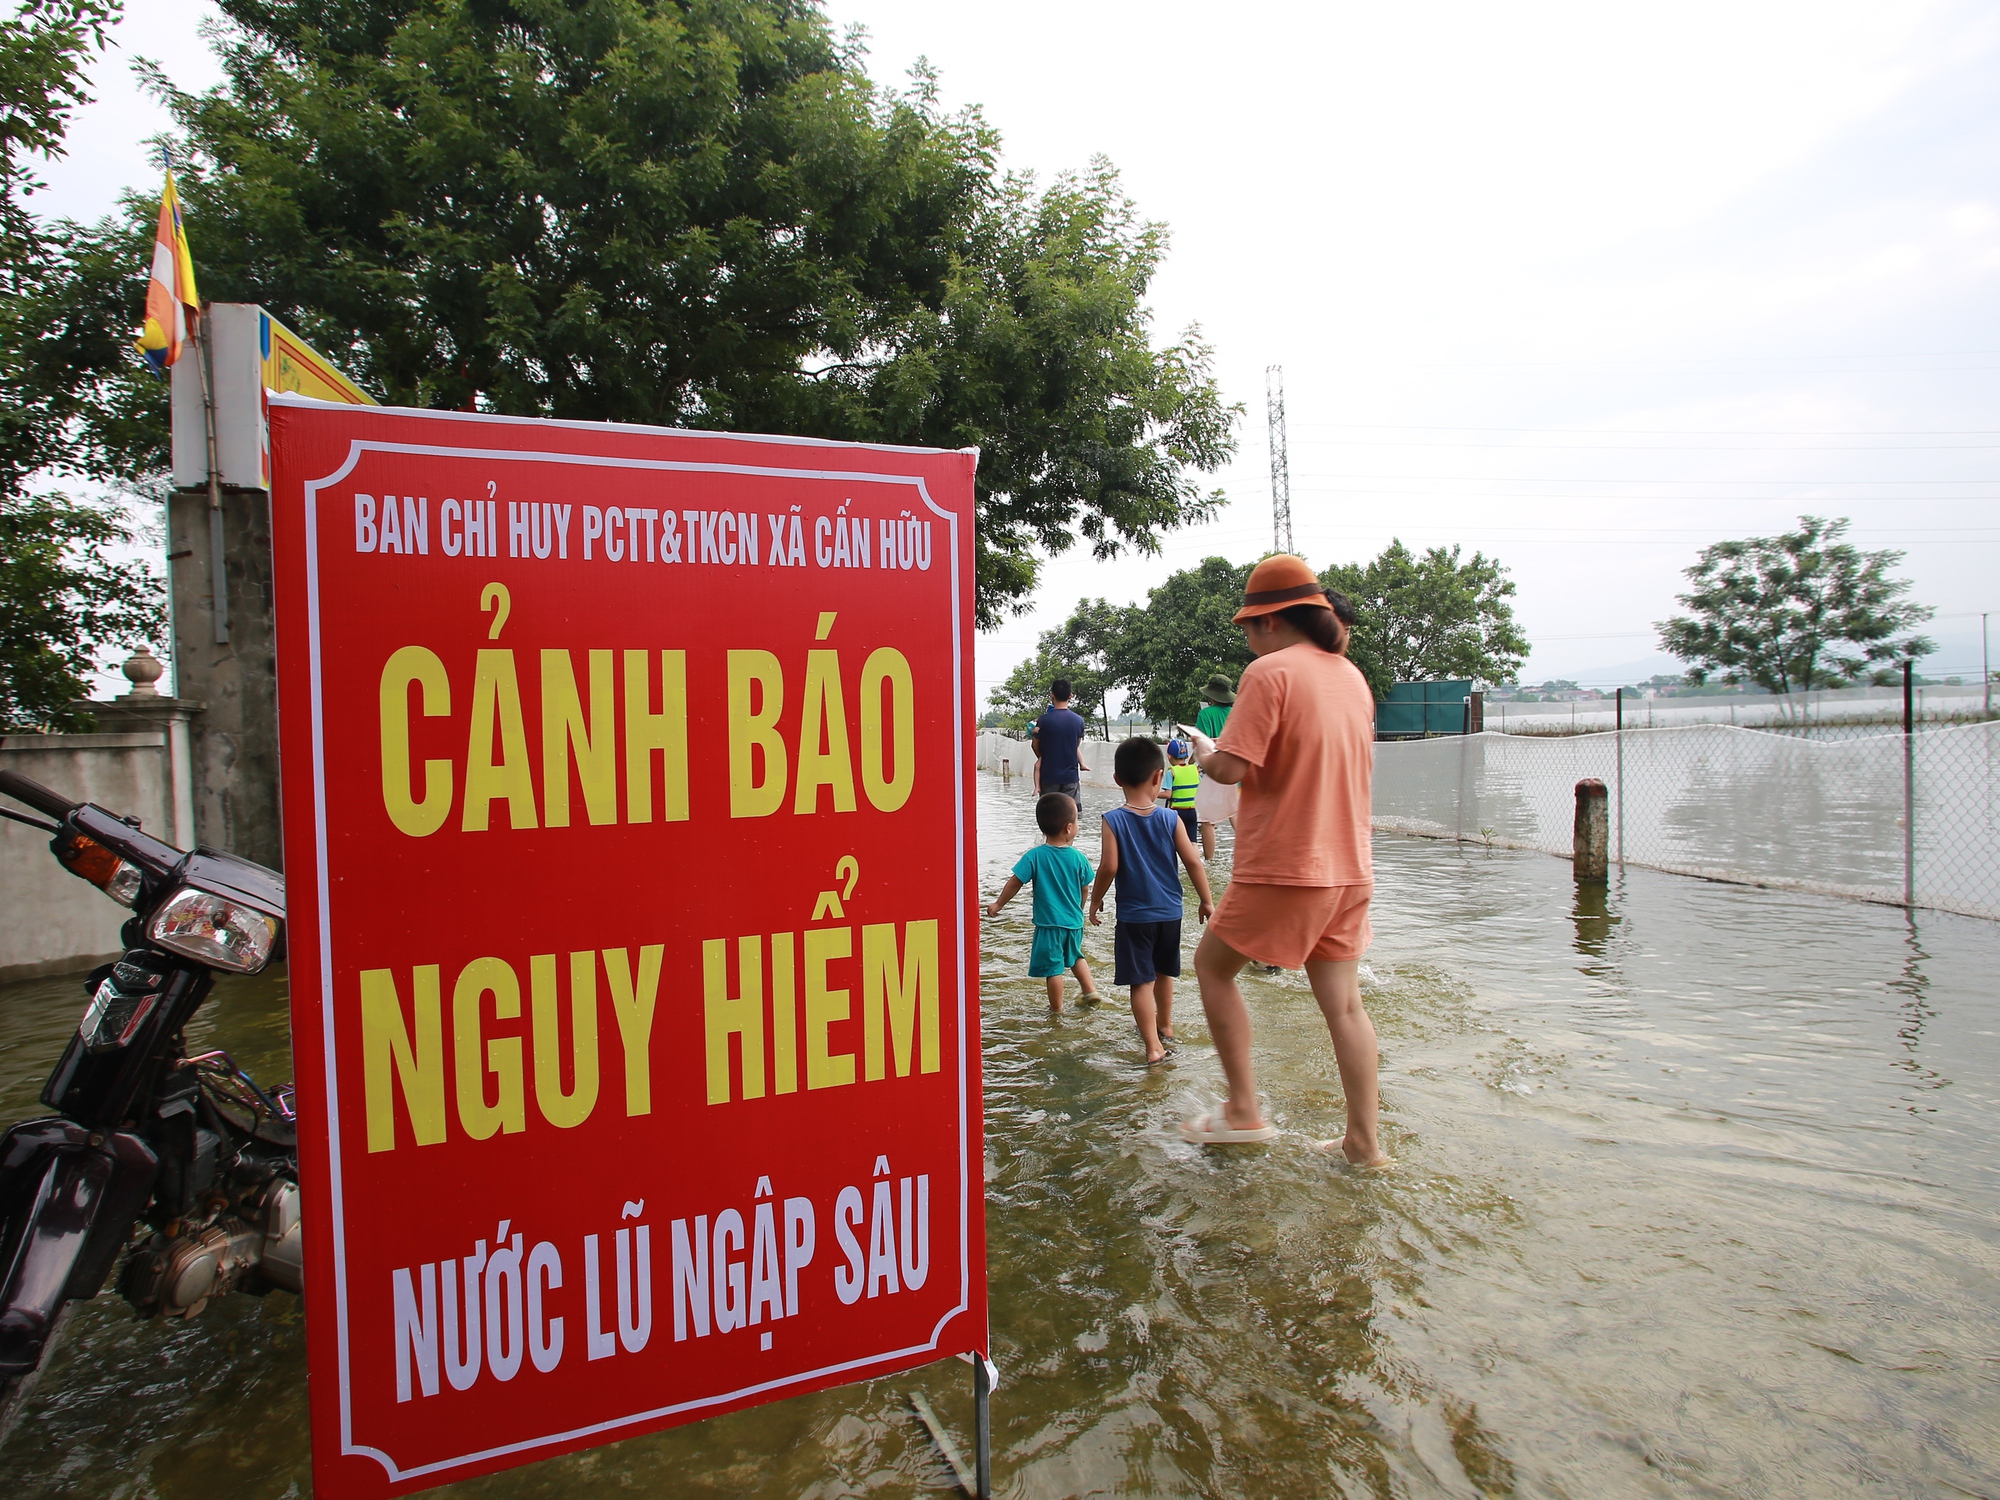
[[1908, 819], [1834, 713]]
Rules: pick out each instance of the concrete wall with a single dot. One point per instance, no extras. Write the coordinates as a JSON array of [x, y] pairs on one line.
[[50, 921], [994, 747]]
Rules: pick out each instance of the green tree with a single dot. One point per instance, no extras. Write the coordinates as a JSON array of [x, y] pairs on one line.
[[1181, 637], [1430, 616], [702, 213], [1794, 612], [44, 48], [1019, 700], [1081, 650], [65, 597]]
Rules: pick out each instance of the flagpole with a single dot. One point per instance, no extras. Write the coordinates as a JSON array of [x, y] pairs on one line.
[[218, 576]]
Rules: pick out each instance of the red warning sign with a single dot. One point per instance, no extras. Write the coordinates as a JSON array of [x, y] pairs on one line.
[[633, 938]]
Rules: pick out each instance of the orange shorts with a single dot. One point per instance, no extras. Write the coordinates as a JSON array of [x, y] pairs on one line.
[[1292, 925]]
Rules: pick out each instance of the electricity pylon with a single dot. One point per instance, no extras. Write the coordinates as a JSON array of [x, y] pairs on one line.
[[1281, 473]]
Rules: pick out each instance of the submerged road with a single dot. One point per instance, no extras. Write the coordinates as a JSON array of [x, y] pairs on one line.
[[1697, 1196]]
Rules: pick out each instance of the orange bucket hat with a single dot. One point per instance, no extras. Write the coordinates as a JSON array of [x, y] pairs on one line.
[[1279, 583]]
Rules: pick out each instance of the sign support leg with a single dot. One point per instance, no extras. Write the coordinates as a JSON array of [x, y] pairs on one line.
[[982, 1429]]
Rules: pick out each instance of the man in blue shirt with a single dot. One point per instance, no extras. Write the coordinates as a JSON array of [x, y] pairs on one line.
[[1057, 735]]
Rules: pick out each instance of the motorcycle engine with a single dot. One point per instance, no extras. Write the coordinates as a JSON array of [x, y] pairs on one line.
[[175, 1275]]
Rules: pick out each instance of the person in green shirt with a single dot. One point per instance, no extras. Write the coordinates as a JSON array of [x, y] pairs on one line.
[[1060, 874], [1213, 802]]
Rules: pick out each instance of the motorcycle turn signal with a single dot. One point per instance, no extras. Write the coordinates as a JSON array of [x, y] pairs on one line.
[[89, 860]]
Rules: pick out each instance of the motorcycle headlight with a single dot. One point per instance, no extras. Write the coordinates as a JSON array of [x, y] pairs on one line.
[[214, 930]]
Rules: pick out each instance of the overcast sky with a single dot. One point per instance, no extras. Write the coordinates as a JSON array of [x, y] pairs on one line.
[[1582, 286]]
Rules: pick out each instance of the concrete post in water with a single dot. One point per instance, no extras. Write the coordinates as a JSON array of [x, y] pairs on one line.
[[1593, 833], [1909, 792]]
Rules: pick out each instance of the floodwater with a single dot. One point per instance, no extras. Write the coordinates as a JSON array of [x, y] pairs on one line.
[[1696, 1196]]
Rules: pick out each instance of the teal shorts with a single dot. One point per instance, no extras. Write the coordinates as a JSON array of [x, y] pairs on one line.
[[1057, 951]]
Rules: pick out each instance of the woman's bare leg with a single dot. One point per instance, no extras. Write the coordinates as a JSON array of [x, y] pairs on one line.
[[1208, 843], [1337, 987], [1216, 966]]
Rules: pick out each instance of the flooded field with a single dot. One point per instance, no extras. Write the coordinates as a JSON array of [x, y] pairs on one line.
[[1697, 1196]]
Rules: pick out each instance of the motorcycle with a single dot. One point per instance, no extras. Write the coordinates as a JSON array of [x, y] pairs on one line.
[[181, 1165]]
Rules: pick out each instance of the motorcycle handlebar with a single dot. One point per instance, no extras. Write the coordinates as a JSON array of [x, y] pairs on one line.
[[37, 796]]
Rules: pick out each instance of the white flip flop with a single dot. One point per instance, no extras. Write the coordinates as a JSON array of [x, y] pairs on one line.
[[1211, 1130]]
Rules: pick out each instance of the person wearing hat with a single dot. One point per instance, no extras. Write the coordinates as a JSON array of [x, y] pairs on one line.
[[1300, 745], [1182, 785], [1213, 802]]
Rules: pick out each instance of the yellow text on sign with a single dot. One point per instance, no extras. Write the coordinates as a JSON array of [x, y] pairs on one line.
[[404, 1053], [795, 741], [763, 1002], [828, 743], [583, 730]]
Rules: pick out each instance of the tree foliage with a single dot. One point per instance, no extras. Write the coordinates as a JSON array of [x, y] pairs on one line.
[[1082, 650], [65, 597], [1794, 612], [1420, 617], [1182, 636], [44, 47], [48, 370], [1430, 616], [701, 213]]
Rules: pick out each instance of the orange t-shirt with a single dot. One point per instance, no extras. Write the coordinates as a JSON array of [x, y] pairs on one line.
[[1305, 720]]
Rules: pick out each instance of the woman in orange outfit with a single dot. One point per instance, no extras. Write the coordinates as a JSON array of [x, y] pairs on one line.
[[1300, 744]]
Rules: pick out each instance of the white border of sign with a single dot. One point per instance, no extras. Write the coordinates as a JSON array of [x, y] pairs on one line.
[[507, 455]]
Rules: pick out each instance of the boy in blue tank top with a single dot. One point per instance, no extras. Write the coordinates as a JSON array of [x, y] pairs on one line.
[[1142, 840]]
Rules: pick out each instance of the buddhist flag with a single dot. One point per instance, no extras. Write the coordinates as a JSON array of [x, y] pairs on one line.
[[172, 304]]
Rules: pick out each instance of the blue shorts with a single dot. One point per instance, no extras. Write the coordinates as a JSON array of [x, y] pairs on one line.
[[1146, 950], [1057, 950], [1188, 822]]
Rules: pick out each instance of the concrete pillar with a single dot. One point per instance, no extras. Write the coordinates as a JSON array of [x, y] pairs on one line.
[[234, 740], [1593, 832], [146, 710]]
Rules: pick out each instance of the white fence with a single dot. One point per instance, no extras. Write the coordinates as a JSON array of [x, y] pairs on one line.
[[1886, 818]]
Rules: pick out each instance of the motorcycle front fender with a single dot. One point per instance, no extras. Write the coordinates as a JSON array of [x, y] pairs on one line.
[[68, 1199]]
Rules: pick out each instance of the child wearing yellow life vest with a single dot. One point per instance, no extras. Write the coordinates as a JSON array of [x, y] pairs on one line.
[[1182, 780]]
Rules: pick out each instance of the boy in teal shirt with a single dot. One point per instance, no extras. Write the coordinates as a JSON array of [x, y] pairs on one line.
[[1060, 875]]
